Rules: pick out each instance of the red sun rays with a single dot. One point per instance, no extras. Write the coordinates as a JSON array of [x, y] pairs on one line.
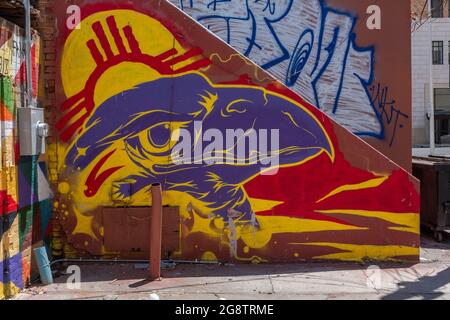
[[79, 107]]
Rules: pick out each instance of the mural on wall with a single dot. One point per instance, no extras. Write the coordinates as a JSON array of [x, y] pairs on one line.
[[133, 78], [24, 193], [311, 47]]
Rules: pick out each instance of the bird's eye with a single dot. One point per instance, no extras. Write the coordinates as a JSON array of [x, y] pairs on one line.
[[153, 140], [159, 136]]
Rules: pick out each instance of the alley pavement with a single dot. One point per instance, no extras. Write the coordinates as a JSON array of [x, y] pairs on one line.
[[429, 279]]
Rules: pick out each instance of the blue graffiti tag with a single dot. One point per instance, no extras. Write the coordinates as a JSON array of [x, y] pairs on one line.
[[389, 113], [306, 44], [300, 57]]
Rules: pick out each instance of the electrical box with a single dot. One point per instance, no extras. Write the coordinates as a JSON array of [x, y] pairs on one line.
[[32, 131]]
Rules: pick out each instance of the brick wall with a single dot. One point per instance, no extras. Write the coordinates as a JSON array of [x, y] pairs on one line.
[[24, 190], [16, 218], [46, 26]]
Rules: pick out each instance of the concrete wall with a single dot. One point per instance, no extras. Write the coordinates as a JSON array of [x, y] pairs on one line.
[[131, 74], [333, 55], [424, 32], [24, 192]]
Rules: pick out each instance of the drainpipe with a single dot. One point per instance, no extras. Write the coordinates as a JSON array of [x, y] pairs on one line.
[[155, 233], [27, 6], [432, 121]]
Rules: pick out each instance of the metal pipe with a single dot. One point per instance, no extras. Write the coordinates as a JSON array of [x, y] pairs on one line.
[[28, 43], [431, 101], [192, 262], [44, 266], [130, 261], [96, 261], [156, 233]]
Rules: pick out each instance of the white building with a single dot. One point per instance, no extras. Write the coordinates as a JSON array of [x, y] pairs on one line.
[[431, 41]]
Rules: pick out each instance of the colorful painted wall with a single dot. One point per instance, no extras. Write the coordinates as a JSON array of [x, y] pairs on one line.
[[24, 192], [331, 53], [132, 74]]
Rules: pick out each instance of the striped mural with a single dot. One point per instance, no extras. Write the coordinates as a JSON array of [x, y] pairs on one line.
[[24, 192]]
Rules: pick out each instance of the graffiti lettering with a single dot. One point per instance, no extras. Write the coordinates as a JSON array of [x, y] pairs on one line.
[[308, 45], [386, 107]]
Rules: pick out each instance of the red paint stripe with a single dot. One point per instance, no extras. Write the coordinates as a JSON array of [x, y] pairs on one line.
[[96, 180], [70, 131], [69, 103], [184, 57], [67, 117], [195, 66], [111, 21], [167, 54], [100, 33], [95, 53], [134, 44]]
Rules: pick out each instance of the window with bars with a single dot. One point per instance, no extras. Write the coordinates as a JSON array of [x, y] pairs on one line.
[[438, 52], [437, 8]]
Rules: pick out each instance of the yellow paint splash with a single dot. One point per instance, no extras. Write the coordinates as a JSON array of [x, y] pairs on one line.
[[84, 225], [242, 58], [209, 256], [261, 205], [295, 225], [361, 252], [409, 221], [374, 183], [64, 188]]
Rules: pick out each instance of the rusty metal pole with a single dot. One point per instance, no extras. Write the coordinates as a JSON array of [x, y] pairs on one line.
[[156, 233], [28, 44]]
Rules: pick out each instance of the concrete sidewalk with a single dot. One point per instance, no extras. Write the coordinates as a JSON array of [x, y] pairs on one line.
[[428, 280]]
